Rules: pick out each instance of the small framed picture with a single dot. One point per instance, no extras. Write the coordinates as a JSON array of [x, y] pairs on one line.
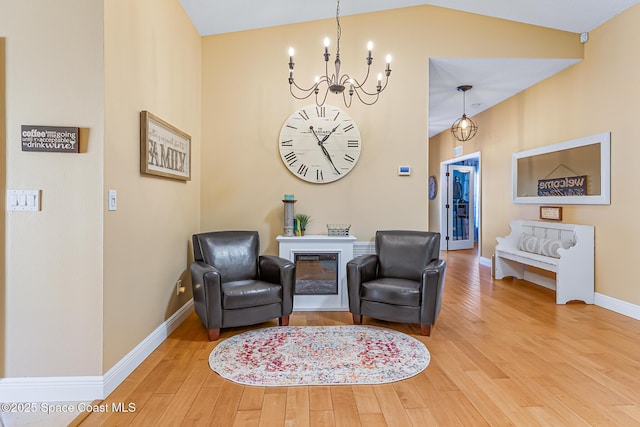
[[553, 213]]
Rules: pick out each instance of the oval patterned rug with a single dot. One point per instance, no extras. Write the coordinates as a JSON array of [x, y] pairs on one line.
[[319, 355]]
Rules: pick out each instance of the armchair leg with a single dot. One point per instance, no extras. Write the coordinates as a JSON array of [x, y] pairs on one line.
[[214, 334], [284, 321], [357, 319], [425, 329]]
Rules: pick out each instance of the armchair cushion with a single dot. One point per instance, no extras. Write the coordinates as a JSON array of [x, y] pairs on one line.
[[404, 255], [234, 253], [249, 293], [391, 290]]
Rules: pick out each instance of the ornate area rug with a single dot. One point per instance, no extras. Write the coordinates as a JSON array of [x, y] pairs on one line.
[[319, 355]]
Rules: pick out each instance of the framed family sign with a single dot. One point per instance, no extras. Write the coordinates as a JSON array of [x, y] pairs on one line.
[[164, 149]]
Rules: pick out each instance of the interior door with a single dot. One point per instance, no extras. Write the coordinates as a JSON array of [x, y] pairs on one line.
[[460, 207]]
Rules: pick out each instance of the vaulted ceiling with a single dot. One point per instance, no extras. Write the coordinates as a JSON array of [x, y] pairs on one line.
[[494, 80]]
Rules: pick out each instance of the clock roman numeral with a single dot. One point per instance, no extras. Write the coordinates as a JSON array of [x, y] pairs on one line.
[[320, 111], [290, 158], [303, 169], [292, 127], [349, 159], [303, 114], [319, 176], [336, 117], [287, 143], [348, 128], [353, 143]]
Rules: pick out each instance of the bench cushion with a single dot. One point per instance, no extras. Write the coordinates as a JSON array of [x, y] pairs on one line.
[[542, 246]]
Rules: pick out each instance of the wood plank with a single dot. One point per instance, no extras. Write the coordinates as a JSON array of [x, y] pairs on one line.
[[297, 412]]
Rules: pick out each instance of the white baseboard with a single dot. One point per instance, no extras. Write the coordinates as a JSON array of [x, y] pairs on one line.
[[89, 388], [485, 261], [619, 306], [51, 389], [135, 357], [604, 301]]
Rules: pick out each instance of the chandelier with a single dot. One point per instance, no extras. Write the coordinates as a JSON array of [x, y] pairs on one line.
[[337, 83], [464, 128]]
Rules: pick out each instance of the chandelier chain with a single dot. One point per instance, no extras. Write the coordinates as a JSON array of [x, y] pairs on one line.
[[339, 30]]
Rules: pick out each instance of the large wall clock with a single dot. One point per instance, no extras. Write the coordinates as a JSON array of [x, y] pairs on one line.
[[320, 144]]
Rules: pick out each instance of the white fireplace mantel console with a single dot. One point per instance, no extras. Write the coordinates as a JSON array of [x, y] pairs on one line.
[[321, 244]]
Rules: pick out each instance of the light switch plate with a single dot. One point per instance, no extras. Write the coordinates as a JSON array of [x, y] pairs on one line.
[[23, 200], [112, 200]]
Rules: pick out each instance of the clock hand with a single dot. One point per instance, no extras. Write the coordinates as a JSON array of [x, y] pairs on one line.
[[329, 134], [326, 153], [324, 149], [314, 134]]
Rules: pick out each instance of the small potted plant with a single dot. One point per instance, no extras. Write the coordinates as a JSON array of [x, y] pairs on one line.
[[303, 220]]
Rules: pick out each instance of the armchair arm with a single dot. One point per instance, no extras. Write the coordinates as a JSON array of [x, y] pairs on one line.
[[432, 287], [207, 295], [274, 269], [360, 269]]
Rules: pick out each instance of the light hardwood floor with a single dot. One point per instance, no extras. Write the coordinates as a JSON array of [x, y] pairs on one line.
[[502, 353]]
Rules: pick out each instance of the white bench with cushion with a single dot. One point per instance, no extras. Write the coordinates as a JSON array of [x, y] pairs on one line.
[[565, 249]]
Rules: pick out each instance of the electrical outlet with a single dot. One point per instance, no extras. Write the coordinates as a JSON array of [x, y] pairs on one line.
[[179, 288]]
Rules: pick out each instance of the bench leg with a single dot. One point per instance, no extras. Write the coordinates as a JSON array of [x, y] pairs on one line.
[[506, 267]]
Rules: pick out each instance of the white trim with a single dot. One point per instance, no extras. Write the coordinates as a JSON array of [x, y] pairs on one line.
[[604, 301], [50, 389], [121, 370], [88, 388], [618, 306], [485, 261], [604, 198], [443, 196]]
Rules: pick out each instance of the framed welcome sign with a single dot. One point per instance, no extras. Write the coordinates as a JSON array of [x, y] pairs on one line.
[[575, 172]]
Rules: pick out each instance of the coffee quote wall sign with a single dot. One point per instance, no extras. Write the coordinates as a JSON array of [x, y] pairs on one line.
[[56, 139]]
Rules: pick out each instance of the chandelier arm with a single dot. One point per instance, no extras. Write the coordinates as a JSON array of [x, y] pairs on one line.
[[344, 99], [324, 98], [359, 87], [345, 79], [364, 101], [301, 89], [386, 81], [300, 97]]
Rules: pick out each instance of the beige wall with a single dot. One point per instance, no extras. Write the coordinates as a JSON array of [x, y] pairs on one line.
[[152, 62], [3, 178], [246, 100], [588, 98], [54, 258], [85, 286]]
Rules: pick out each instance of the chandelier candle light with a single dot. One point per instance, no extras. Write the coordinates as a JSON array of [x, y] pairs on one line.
[[337, 83], [464, 128]]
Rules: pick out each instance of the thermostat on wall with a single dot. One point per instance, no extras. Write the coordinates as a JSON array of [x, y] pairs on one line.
[[404, 170]]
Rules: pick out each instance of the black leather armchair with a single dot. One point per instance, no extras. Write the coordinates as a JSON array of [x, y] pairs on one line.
[[235, 286], [402, 282]]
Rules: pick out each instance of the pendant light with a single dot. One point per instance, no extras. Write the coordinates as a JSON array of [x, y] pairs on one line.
[[464, 128]]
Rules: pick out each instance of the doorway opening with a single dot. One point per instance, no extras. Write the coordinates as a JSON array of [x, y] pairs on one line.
[[460, 212]]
